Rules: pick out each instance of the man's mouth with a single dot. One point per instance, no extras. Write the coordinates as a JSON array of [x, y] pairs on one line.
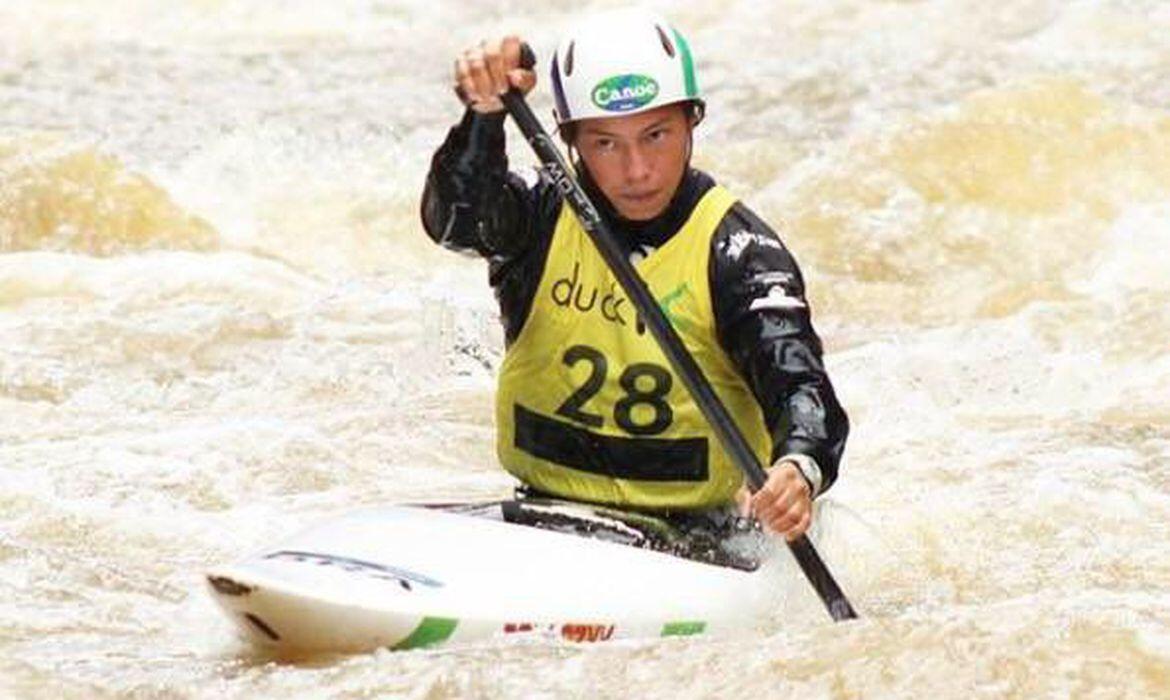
[[640, 196]]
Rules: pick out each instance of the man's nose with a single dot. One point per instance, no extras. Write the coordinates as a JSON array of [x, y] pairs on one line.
[[637, 164]]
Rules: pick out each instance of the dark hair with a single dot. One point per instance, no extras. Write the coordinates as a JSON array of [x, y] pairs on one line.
[[696, 110]]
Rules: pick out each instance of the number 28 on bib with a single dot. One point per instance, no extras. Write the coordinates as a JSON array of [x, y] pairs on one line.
[[587, 406]]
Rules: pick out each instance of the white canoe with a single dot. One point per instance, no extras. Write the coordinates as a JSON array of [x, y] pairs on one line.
[[410, 576]]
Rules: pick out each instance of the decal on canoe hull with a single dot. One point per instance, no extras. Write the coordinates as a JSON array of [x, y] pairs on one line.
[[404, 578], [683, 629], [586, 633], [431, 631]]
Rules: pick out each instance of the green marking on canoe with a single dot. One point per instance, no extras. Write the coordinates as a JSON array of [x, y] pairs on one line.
[[683, 629], [431, 630]]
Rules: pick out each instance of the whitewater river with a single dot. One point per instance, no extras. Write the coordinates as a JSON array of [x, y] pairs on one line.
[[220, 321]]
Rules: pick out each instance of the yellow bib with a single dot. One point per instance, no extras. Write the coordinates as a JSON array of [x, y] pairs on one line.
[[588, 407]]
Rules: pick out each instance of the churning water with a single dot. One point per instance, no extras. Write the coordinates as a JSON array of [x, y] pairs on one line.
[[220, 320]]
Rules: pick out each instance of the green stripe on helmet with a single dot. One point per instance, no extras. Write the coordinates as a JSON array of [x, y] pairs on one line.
[[692, 85]]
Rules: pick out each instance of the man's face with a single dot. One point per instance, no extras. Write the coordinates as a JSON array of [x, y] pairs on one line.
[[637, 160]]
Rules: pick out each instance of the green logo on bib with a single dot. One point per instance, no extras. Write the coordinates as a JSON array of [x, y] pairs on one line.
[[623, 93]]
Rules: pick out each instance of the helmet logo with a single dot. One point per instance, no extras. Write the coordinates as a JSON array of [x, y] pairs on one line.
[[623, 93]]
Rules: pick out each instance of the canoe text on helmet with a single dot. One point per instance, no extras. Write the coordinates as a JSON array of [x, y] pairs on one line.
[[622, 93]]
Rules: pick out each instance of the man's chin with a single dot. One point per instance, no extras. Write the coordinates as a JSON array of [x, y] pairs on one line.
[[633, 212]]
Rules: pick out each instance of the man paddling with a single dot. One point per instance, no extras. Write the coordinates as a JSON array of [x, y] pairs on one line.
[[588, 408]]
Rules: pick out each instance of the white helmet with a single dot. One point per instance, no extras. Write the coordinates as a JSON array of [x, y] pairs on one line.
[[622, 62]]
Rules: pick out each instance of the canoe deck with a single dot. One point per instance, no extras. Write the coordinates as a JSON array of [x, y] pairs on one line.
[[409, 576]]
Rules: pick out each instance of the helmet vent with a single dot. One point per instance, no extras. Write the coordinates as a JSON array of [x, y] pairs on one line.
[[569, 59], [669, 47]]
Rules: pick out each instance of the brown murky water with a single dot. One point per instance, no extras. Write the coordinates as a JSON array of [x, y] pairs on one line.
[[221, 320]]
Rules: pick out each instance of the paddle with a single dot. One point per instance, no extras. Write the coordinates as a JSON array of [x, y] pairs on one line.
[[672, 346]]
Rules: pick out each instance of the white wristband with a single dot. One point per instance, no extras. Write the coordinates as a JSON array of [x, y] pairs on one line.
[[808, 468]]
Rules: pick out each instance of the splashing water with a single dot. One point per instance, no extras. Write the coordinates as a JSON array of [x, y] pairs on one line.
[[222, 321]]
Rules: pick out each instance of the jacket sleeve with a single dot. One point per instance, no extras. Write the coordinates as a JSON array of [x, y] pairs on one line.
[[764, 324], [471, 202]]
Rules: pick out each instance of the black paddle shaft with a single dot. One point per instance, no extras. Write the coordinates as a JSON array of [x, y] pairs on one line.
[[668, 340]]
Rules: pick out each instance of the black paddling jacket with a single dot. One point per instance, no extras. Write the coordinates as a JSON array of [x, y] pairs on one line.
[[472, 203]]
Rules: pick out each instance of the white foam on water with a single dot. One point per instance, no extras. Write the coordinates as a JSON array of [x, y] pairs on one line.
[[222, 321]]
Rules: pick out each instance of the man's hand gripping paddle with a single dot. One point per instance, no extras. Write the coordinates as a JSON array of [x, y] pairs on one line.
[[672, 346]]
